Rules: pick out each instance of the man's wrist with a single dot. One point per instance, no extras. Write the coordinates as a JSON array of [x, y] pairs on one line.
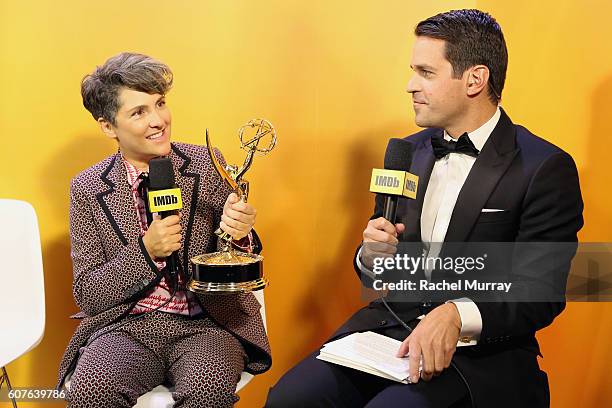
[[455, 316], [471, 320], [361, 266]]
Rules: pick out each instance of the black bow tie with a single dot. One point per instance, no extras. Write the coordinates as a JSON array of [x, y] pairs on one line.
[[463, 145]]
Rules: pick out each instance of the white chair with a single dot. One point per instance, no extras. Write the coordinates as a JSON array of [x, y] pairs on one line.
[[161, 397], [22, 303]]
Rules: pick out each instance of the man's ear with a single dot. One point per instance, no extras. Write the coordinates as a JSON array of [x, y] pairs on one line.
[[107, 128], [477, 79]]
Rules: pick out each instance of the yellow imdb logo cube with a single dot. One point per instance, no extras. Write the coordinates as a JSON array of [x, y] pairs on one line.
[[394, 182], [165, 200]]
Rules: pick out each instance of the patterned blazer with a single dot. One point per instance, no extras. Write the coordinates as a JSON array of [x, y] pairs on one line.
[[112, 270]]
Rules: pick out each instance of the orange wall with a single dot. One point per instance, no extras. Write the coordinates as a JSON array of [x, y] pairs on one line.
[[330, 75]]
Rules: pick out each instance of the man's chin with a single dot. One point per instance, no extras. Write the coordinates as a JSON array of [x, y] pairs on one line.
[[422, 122], [425, 122]]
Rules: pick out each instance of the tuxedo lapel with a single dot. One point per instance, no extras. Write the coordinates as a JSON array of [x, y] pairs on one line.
[[422, 165], [189, 183], [117, 202], [492, 162]]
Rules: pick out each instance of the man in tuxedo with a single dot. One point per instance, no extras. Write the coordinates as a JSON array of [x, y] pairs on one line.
[[482, 179], [140, 326]]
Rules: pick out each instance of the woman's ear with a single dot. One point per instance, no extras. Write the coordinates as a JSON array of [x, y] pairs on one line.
[[107, 128]]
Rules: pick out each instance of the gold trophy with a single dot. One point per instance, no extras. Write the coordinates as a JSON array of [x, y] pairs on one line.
[[230, 270]]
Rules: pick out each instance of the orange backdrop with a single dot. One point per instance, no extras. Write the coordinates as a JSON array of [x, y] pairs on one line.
[[331, 77]]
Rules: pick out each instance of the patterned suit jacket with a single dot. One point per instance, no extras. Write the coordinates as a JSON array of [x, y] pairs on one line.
[[112, 270]]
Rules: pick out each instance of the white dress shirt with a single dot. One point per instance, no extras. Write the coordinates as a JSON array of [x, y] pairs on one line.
[[447, 178]]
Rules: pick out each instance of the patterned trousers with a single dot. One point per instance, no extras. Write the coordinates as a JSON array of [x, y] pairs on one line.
[[203, 361]]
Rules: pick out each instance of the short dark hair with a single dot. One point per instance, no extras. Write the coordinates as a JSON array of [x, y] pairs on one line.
[[472, 37], [100, 89]]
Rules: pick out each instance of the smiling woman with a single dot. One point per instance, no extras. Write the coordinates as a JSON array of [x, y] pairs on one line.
[[140, 325], [142, 126], [126, 96]]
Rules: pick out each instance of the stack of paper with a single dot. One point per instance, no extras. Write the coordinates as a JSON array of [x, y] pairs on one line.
[[370, 352]]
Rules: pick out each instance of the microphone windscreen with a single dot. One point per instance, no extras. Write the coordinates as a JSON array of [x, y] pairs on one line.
[[161, 174], [399, 155]]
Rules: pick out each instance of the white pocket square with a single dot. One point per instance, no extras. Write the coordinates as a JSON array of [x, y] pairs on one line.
[[489, 210]]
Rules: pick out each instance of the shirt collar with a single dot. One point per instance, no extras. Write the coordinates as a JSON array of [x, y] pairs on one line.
[[132, 173], [479, 136]]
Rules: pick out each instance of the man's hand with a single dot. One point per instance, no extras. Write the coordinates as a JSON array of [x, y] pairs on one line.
[[380, 240], [163, 236], [238, 217], [435, 339]]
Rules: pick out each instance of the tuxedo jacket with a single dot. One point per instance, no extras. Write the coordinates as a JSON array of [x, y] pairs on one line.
[[112, 269], [536, 184]]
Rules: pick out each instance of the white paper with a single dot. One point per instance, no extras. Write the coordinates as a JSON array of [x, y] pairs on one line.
[[369, 352], [372, 353]]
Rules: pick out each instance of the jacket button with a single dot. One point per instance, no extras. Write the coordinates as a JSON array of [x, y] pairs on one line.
[[382, 322]]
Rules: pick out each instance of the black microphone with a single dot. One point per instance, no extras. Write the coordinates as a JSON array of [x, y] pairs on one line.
[[164, 198], [395, 181]]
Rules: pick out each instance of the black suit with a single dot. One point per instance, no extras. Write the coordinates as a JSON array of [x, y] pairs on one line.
[[536, 183]]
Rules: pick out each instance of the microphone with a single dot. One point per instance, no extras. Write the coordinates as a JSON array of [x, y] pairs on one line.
[[164, 198], [394, 181]]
